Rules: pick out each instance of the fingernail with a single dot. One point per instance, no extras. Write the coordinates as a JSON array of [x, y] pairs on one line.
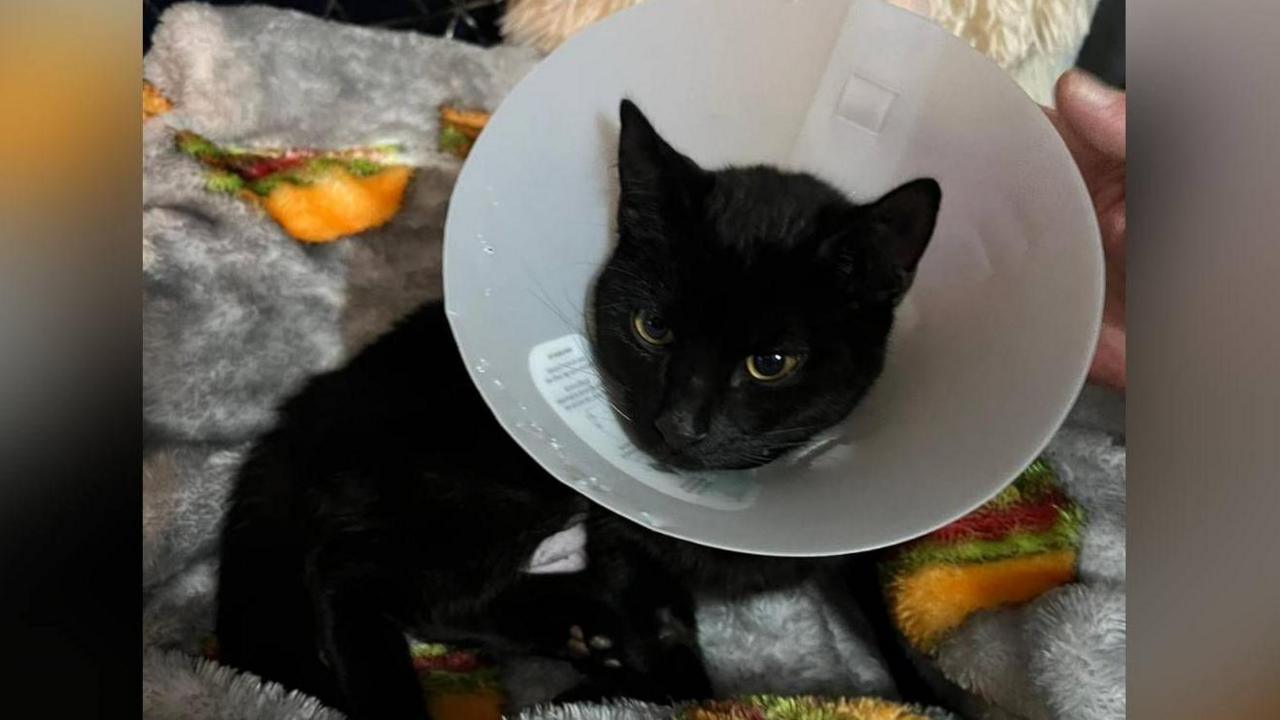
[[1089, 90]]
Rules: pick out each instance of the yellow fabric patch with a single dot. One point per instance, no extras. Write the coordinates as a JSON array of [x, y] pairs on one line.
[[935, 599], [338, 204], [800, 708], [874, 709]]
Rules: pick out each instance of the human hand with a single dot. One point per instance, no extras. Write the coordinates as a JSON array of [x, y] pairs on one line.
[[1090, 117]]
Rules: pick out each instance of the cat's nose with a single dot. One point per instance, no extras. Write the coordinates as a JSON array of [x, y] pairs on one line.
[[681, 428]]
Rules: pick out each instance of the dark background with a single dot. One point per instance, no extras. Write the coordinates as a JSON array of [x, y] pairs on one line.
[[476, 21]]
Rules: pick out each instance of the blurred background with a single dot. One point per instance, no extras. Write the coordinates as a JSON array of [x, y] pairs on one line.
[[476, 21]]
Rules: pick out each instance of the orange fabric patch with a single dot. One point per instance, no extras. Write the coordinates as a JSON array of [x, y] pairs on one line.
[[459, 129], [468, 706], [935, 599], [338, 204], [153, 103], [468, 122]]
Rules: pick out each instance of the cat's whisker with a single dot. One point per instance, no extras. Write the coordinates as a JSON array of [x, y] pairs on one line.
[[545, 299], [790, 431], [612, 389], [619, 411]]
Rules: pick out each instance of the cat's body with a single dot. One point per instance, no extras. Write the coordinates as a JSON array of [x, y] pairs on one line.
[[389, 500]]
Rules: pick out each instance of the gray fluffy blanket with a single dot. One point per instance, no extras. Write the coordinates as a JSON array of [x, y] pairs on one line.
[[237, 316]]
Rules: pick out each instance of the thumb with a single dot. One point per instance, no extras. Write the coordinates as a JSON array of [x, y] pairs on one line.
[[1094, 111]]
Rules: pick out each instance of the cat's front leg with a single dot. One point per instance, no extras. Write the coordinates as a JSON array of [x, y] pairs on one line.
[[627, 627], [665, 639], [655, 661], [360, 640]]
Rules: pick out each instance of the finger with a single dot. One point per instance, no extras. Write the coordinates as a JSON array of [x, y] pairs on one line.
[[1094, 111], [1085, 155], [1108, 366], [919, 7]]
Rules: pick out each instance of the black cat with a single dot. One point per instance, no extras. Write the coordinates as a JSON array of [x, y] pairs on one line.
[[743, 311]]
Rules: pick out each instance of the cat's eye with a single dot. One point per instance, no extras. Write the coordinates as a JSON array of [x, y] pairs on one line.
[[651, 328], [770, 367]]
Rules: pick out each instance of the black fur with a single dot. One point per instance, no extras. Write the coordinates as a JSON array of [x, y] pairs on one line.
[[388, 499], [739, 262]]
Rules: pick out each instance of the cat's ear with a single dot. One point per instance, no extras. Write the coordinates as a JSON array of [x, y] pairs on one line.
[[650, 171], [896, 230]]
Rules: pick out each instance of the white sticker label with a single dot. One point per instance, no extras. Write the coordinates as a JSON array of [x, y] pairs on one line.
[[565, 375], [564, 552]]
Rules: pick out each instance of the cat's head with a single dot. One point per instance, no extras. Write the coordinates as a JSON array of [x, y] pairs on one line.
[[745, 309]]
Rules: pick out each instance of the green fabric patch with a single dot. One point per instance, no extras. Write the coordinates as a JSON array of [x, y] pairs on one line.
[[1065, 535], [261, 171], [1037, 480], [467, 674], [1036, 484], [772, 707], [456, 683], [452, 140]]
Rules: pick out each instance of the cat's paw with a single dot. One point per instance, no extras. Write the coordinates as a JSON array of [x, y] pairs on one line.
[[584, 646]]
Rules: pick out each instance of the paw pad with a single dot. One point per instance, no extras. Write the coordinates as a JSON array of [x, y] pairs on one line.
[[580, 647]]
